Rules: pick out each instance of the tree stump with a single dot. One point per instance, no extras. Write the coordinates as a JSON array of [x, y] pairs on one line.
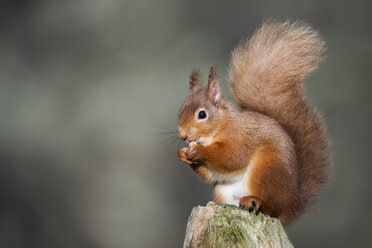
[[218, 225]]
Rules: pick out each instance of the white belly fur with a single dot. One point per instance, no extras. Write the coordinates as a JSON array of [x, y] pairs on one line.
[[236, 187]]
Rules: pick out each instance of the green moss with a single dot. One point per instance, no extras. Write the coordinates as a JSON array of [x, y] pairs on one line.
[[234, 227]]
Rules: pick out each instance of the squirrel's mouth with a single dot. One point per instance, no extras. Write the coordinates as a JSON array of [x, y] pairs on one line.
[[196, 140]]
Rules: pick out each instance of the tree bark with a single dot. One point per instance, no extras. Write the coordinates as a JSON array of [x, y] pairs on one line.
[[217, 225]]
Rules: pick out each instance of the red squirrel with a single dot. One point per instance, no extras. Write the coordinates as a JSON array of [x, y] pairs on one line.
[[271, 154]]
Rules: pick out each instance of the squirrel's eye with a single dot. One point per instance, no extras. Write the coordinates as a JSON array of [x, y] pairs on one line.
[[202, 114]]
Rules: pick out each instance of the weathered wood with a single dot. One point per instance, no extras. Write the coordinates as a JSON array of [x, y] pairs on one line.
[[217, 225]]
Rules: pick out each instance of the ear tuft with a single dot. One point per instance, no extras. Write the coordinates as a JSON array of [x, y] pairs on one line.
[[214, 91], [213, 74], [195, 80]]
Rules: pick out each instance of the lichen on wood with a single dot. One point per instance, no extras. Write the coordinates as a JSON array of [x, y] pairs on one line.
[[218, 225]]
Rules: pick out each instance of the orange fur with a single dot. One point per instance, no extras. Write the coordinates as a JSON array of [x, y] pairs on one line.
[[202, 171], [217, 196], [272, 153], [275, 185], [266, 76]]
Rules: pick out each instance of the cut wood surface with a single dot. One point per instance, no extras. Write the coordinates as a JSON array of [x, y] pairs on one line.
[[218, 225]]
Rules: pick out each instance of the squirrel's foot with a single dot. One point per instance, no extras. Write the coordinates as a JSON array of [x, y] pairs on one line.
[[251, 203]]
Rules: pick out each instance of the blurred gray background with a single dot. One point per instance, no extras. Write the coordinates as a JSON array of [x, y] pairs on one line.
[[88, 88]]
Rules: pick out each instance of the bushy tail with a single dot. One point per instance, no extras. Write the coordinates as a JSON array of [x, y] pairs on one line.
[[266, 75]]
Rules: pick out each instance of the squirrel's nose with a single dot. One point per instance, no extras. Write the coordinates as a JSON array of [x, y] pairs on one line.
[[182, 136]]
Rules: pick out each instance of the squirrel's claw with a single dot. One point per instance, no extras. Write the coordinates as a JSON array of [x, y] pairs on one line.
[[251, 203]]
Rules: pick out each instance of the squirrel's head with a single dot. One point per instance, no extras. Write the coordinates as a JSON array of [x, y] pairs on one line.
[[202, 113]]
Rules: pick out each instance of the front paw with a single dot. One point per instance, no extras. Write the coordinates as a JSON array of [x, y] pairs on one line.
[[182, 155], [191, 154]]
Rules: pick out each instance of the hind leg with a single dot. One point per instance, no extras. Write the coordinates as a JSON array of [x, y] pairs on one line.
[[251, 203]]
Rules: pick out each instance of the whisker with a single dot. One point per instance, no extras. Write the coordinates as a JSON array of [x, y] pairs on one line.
[[165, 140], [165, 128], [164, 133], [174, 141], [171, 143], [179, 142]]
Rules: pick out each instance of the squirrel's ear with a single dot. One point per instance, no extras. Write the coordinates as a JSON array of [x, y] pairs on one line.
[[194, 81], [214, 91]]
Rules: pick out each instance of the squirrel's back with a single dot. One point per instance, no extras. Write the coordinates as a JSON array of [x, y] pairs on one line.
[[266, 76]]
